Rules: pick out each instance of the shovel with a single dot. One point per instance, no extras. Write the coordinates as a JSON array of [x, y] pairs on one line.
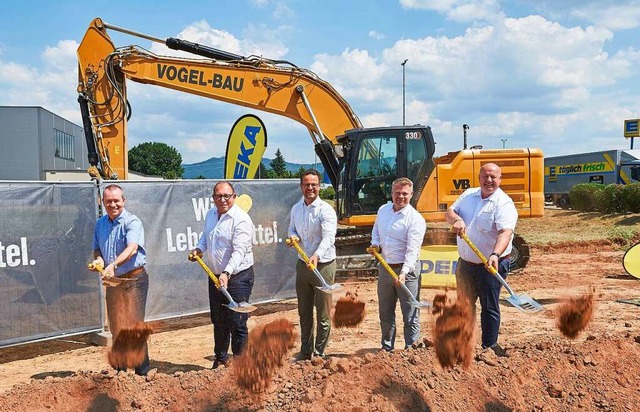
[[414, 302], [325, 287], [241, 307], [109, 280], [523, 303]]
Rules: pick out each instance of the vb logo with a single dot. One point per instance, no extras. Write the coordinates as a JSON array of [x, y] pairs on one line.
[[461, 183]]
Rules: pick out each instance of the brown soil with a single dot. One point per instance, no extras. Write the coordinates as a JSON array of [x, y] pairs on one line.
[[575, 314], [128, 349], [453, 332], [349, 311], [266, 348], [543, 369]]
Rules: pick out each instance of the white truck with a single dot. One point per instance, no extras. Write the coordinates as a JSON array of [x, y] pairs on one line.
[[606, 167]]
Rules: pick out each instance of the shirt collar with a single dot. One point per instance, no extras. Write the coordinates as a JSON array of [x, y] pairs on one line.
[[119, 218]]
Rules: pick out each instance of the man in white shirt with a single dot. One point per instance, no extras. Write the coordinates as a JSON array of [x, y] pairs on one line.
[[398, 232], [314, 223], [487, 215], [228, 235]]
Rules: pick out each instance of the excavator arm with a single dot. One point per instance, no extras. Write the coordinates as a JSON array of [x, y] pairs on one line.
[[277, 87]]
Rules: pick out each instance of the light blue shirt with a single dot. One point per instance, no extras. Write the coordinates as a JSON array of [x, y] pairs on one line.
[[111, 237], [316, 226], [399, 235], [484, 218], [229, 240]]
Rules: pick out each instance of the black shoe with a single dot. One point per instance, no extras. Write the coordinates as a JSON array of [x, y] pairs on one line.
[[499, 350], [219, 362], [302, 357]]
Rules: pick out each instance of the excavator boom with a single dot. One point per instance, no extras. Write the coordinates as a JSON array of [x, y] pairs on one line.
[[272, 86]]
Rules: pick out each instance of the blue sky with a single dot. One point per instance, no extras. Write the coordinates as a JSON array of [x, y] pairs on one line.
[[561, 75]]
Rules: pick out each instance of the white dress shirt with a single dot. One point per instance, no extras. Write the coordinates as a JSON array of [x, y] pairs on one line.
[[229, 239], [484, 218], [316, 226], [399, 235]]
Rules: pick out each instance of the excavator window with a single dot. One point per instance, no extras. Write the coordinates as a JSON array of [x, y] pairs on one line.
[[376, 170]]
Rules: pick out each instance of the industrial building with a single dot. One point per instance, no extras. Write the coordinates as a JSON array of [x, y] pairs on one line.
[[38, 144]]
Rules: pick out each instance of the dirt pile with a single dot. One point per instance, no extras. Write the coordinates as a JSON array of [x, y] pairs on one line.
[[453, 331], [349, 311], [265, 352], [575, 313]]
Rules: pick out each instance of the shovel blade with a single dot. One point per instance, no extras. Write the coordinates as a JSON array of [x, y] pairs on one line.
[[332, 289], [421, 304], [525, 303], [241, 307]]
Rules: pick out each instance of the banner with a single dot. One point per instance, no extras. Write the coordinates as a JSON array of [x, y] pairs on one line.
[[245, 147], [45, 244], [173, 212]]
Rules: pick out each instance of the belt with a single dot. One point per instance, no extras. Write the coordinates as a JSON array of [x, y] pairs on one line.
[[134, 272], [396, 265], [482, 264]]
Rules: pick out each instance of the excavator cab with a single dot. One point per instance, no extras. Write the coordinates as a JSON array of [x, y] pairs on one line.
[[373, 159]]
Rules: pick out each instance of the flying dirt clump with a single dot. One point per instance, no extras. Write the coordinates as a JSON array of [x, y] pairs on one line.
[[349, 312], [266, 349], [453, 332], [128, 349], [575, 313]]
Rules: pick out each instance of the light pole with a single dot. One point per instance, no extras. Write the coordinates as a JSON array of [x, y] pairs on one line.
[[403, 77], [503, 142]]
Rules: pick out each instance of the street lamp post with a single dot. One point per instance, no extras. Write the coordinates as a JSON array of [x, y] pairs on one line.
[[503, 142], [403, 78]]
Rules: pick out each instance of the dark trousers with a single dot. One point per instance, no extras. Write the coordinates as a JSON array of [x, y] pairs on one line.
[[230, 327], [125, 307], [476, 282]]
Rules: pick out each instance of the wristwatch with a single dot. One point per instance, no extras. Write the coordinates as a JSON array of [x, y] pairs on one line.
[[496, 254]]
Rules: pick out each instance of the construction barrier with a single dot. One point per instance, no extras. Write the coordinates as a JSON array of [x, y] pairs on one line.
[[46, 237]]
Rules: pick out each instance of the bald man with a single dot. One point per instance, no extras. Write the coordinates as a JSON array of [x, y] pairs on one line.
[[487, 215]]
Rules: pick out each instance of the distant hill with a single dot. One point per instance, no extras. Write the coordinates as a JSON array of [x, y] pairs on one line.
[[213, 168]]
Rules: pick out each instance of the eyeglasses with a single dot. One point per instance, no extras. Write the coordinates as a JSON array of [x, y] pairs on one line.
[[223, 197], [310, 185]]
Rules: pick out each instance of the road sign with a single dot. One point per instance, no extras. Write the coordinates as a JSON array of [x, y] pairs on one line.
[[631, 128]]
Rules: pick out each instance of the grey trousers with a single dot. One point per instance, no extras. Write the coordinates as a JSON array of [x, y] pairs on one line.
[[309, 297], [388, 296]]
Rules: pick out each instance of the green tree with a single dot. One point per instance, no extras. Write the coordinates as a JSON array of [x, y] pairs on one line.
[[156, 159], [279, 165], [262, 172]]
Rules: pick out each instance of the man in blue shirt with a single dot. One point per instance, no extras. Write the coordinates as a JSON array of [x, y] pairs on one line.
[[118, 247]]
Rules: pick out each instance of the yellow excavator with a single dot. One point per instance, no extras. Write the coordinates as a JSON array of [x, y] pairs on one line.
[[361, 162]]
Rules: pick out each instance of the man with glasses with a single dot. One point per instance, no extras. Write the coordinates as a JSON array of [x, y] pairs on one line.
[[228, 235], [487, 215], [398, 233], [314, 223]]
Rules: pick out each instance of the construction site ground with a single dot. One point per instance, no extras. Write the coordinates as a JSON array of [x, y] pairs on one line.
[[543, 370]]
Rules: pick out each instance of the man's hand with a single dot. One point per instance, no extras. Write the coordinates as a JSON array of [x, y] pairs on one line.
[[494, 261], [402, 278], [373, 248], [459, 227], [293, 238], [97, 264], [224, 279], [192, 255], [313, 262]]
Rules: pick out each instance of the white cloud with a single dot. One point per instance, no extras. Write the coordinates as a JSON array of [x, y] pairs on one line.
[[376, 35], [458, 10]]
